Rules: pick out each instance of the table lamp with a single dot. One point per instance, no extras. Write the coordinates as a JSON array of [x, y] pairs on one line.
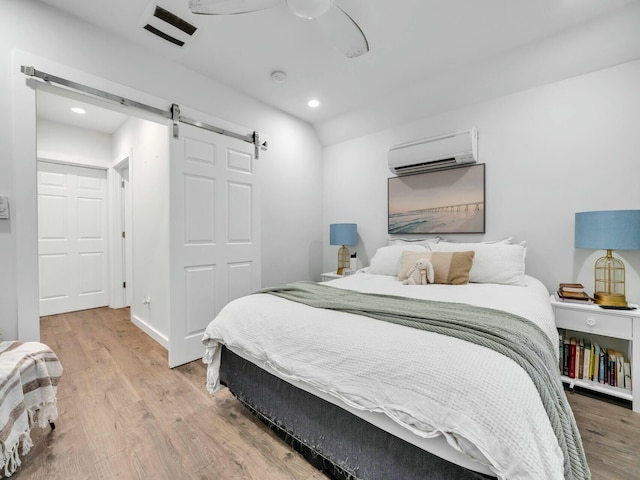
[[609, 230], [343, 234]]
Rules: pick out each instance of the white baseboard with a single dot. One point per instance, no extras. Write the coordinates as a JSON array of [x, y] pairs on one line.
[[149, 330]]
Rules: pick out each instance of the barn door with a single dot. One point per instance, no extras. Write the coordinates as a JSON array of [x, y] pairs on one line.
[[214, 233]]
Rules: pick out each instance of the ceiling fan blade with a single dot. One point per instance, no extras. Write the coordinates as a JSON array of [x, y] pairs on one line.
[[343, 32], [229, 7], [308, 8]]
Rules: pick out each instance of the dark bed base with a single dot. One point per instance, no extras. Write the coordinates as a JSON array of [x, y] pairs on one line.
[[330, 438]]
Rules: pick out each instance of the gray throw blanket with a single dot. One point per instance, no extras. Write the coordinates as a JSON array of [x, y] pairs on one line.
[[510, 335]]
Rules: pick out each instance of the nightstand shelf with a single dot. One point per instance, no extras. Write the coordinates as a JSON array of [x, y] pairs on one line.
[[617, 392], [591, 320]]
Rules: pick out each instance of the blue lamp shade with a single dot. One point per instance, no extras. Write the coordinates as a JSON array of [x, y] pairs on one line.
[[343, 234], [608, 230]]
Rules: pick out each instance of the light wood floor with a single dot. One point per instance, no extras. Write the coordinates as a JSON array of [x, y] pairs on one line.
[[123, 414]]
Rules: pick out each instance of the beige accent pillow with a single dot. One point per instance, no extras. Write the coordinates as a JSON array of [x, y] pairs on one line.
[[450, 268]]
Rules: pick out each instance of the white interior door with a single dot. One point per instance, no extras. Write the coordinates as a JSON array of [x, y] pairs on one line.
[[215, 233], [72, 242]]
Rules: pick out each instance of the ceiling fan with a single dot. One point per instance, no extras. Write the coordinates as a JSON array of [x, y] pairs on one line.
[[345, 34]]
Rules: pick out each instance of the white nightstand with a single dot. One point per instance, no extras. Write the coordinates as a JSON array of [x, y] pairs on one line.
[[622, 324], [329, 276]]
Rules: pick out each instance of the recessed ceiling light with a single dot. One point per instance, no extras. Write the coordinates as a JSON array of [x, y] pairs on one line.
[[78, 110], [313, 103]]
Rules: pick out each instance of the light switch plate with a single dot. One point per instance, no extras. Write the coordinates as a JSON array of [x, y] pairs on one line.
[[4, 208]]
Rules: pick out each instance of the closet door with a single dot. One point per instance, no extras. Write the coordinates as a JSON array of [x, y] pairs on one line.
[[72, 241]]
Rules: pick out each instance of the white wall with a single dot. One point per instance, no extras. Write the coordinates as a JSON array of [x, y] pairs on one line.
[[148, 144], [291, 192], [290, 171], [68, 144], [549, 152]]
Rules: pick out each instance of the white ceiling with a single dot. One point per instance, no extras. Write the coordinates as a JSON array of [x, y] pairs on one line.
[[411, 41], [56, 105]]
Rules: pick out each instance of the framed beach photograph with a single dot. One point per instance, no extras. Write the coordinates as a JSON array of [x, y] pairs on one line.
[[443, 201]]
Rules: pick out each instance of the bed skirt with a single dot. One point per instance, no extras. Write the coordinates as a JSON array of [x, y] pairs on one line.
[[343, 445]]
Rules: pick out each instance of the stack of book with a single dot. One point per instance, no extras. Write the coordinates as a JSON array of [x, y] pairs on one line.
[[573, 292], [586, 360]]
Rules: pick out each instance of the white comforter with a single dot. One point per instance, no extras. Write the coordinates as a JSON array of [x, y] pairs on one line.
[[429, 383]]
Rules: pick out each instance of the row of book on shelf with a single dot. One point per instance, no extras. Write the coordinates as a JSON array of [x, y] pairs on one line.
[[573, 292], [586, 360]]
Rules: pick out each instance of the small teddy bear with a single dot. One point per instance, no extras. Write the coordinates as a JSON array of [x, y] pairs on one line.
[[420, 274]]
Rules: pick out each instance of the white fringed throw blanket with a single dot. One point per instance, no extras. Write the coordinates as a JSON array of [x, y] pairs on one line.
[[29, 376]]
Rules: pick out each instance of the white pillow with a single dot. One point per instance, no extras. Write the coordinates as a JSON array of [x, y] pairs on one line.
[[386, 261], [493, 262], [506, 241], [412, 241]]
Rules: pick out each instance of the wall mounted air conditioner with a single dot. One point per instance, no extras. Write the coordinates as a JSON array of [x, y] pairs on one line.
[[444, 151]]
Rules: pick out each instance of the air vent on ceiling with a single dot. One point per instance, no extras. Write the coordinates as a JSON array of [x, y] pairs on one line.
[[169, 26]]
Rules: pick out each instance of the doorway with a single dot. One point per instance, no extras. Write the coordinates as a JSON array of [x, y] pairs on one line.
[[79, 209], [134, 152]]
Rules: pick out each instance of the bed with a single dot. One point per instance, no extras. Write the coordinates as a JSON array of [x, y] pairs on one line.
[[369, 397]]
